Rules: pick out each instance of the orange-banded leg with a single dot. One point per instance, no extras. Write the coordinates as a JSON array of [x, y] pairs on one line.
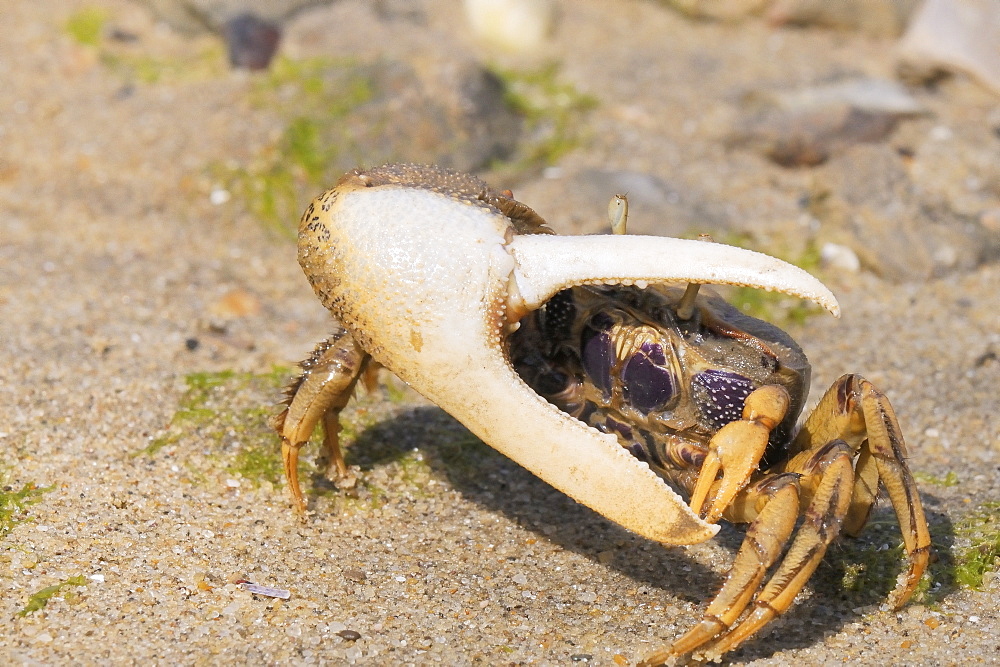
[[855, 411], [325, 386], [826, 485], [772, 505]]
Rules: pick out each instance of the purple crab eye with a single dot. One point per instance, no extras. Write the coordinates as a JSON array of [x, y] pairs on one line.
[[597, 352], [647, 383], [721, 395]]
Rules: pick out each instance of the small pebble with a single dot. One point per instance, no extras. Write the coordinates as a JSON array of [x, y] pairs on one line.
[[219, 196], [354, 574], [840, 257], [349, 635]]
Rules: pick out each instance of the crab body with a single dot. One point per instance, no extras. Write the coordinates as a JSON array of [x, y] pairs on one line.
[[623, 361], [573, 357]]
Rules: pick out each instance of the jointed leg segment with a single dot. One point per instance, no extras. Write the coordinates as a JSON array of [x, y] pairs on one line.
[[848, 446], [855, 411], [327, 382]]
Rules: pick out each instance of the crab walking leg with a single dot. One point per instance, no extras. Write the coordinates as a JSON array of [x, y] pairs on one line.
[[325, 386], [830, 472], [865, 492], [885, 441], [771, 505], [855, 411]]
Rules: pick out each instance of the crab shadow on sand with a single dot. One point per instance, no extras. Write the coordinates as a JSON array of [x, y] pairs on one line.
[[855, 572]]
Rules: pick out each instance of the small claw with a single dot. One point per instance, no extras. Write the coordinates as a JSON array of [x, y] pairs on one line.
[[736, 449], [290, 457], [706, 478]]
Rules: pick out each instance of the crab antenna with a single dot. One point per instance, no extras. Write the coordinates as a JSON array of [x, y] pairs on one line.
[[618, 213], [618, 217]]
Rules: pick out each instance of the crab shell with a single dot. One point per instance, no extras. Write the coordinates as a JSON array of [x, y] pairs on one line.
[[429, 276]]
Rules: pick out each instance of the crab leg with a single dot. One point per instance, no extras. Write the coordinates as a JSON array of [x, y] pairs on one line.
[[827, 472], [821, 478], [325, 386], [855, 411], [772, 504]]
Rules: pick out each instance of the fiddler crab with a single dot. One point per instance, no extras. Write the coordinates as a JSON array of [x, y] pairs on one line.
[[597, 363]]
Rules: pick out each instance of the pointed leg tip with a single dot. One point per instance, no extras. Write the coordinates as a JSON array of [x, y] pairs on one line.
[[290, 458], [698, 636], [909, 580], [658, 659]]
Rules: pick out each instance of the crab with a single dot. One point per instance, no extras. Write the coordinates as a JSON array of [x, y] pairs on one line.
[[600, 365]]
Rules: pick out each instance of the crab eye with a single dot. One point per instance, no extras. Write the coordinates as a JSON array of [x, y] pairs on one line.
[[721, 396], [647, 383], [597, 352]]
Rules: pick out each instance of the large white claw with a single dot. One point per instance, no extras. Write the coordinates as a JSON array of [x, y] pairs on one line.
[[427, 277]]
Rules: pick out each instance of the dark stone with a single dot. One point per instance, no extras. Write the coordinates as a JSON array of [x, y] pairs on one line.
[[252, 41]]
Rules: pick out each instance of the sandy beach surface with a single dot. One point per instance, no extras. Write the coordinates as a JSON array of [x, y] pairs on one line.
[[148, 320]]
